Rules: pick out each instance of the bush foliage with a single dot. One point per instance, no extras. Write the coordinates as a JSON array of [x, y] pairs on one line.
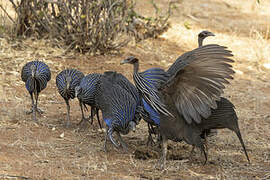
[[96, 26]]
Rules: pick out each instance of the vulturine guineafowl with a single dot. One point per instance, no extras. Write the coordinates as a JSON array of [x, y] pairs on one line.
[[36, 75], [66, 81], [202, 35], [86, 92], [157, 78], [195, 84], [224, 116], [118, 108], [122, 81]]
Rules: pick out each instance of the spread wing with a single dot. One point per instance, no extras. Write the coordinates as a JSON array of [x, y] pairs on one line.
[[147, 83], [197, 80]]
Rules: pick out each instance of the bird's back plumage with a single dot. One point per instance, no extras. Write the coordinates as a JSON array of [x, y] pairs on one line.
[[116, 103], [42, 75], [61, 82], [148, 83], [88, 88]]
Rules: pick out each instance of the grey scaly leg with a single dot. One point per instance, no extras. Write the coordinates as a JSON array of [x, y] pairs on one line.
[[110, 132], [84, 120], [162, 161], [68, 114], [122, 142], [37, 109]]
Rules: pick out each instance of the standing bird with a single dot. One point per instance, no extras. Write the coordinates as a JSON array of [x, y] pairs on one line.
[[36, 75], [195, 84], [201, 36], [66, 81], [124, 83], [118, 108], [224, 116], [150, 115], [86, 92]]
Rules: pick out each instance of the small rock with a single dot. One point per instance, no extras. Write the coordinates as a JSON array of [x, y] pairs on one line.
[[62, 135]]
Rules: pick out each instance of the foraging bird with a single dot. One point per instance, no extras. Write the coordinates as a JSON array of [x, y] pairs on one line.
[[118, 109], [224, 116], [124, 83], [66, 81], [196, 81], [36, 75], [85, 92]]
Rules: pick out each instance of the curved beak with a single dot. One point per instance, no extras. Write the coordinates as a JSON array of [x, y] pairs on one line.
[[124, 61], [211, 34]]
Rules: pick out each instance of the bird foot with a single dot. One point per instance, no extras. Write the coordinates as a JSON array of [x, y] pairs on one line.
[[160, 165], [40, 111], [84, 124], [67, 124], [150, 141], [37, 110], [124, 147]]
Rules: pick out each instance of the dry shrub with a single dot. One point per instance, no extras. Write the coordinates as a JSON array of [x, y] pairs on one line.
[[95, 26]]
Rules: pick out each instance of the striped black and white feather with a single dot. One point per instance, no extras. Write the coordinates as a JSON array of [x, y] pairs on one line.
[[116, 103], [38, 79], [66, 81], [148, 83], [88, 88]]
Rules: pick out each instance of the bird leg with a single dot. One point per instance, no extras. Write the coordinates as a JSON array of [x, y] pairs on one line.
[[84, 120], [37, 109], [106, 138], [93, 113], [150, 140], [110, 132], [162, 161], [204, 153], [122, 142], [68, 114], [34, 107], [192, 152], [98, 118], [205, 142]]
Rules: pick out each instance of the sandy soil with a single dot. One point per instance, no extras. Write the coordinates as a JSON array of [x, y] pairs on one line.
[[47, 150]]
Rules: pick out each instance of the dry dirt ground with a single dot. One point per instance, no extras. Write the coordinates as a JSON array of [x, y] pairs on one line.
[[47, 150]]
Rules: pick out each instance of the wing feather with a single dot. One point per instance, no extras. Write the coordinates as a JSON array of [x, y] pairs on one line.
[[197, 79]]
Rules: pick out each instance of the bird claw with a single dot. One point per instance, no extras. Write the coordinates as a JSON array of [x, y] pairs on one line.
[[67, 124], [40, 111], [29, 112], [83, 124], [37, 110], [160, 165], [150, 141], [124, 146]]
